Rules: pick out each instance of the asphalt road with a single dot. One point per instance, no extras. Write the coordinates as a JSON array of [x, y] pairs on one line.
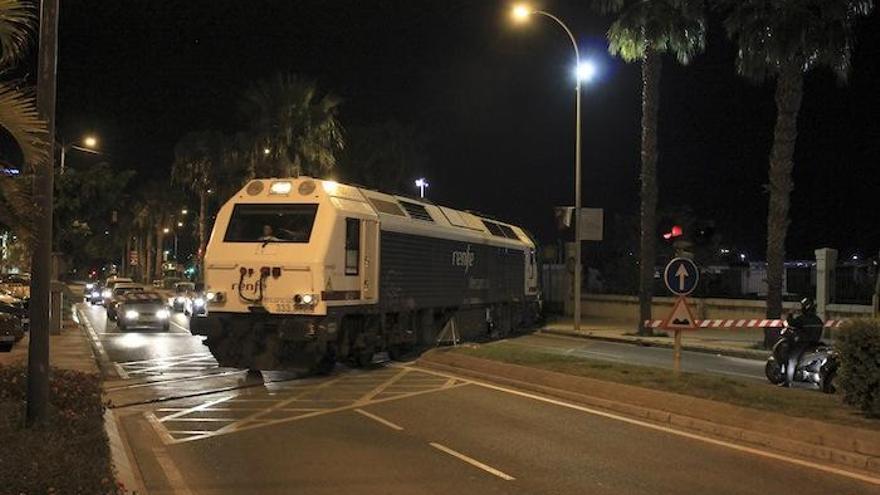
[[402, 430], [193, 428]]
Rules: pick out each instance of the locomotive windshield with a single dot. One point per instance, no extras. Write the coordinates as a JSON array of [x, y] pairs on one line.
[[271, 223]]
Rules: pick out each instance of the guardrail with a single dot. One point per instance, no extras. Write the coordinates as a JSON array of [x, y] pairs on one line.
[[753, 323]]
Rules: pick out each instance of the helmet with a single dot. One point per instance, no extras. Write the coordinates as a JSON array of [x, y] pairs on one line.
[[808, 305]]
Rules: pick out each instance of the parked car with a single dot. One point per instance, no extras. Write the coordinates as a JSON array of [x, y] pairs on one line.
[[119, 291], [13, 321], [142, 309], [17, 285], [183, 292]]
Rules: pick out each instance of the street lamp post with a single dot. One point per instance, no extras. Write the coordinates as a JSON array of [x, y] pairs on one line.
[[422, 184], [90, 143], [584, 72]]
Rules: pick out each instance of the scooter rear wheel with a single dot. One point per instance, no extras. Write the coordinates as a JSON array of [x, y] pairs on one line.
[[774, 372]]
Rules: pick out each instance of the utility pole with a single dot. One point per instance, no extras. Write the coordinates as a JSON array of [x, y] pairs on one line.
[[41, 262]]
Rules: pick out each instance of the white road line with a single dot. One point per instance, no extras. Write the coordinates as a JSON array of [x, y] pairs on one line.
[[175, 479], [178, 325], [121, 371], [378, 419], [472, 461], [734, 373], [693, 436]]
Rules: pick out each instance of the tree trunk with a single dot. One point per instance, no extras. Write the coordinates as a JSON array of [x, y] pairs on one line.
[[789, 92], [203, 227], [651, 68], [160, 243], [148, 259]]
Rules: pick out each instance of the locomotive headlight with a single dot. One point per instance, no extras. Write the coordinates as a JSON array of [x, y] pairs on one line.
[[163, 314], [305, 299], [106, 293], [281, 187], [131, 314]]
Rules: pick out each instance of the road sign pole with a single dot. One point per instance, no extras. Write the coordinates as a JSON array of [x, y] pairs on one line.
[[676, 354]]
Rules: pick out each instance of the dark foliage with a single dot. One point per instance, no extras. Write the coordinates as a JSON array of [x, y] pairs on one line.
[[859, 346]]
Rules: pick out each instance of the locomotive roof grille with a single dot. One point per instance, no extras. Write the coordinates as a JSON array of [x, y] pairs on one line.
[[387, 207], [417, 211]]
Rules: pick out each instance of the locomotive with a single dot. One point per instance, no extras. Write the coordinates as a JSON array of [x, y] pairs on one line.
[[301, 273]]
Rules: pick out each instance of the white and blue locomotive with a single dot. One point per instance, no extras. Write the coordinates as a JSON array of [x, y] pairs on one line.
[[304, 272]]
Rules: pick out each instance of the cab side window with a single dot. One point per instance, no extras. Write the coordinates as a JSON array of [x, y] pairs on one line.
[[352, 245]]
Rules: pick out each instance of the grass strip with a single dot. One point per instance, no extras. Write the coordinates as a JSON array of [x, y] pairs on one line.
[[739, 392]]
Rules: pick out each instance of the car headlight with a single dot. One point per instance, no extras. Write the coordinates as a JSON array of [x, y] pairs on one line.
[[106, 293], [95, 293], [199, 302], [90, 286], [162, 314], [131, 314], [180, 299]]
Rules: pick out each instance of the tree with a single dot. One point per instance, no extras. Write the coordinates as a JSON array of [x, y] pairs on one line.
[[19, 120], [198, 163], [643, 31], [387, 156], [782, 40], [293, 130]]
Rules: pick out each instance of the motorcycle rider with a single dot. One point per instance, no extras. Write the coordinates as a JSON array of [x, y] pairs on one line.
[[804, 331]]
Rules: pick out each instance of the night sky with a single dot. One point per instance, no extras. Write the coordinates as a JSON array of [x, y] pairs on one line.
[[495, 102]]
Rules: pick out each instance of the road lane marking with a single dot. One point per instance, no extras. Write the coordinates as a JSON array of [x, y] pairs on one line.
[[178, 325], [734, 373], [380, 420], [472, 461], [673, 431], [172, 474], [194, 409], [121, 371], [365, 398]]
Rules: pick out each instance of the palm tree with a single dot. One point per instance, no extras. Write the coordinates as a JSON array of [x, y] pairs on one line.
[[783, 40], [18, 117], [387, 156], [293, 129], [643, 31], [198, 162]]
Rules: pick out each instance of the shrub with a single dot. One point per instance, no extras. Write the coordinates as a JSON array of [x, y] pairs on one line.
[[70, 453], [859, 346]]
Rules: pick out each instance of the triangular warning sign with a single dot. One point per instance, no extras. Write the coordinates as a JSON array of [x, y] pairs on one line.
[[680, 317]]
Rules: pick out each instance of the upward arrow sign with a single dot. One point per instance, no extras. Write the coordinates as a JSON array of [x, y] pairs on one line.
[[682, 274]]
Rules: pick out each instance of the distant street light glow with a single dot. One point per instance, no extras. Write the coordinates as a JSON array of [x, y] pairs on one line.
[[91, 141], [422, 184], [166, 230], [184, 211], [266, 151], [180, 224]]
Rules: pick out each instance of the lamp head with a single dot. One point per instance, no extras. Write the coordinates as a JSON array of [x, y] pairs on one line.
[[520, 12]]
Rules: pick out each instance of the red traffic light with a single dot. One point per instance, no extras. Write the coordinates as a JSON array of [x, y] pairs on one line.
[[675, 232]]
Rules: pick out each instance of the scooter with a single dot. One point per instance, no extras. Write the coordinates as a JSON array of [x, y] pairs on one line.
[[816, 368]]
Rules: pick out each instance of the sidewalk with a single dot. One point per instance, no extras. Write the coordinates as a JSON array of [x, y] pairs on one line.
[[742, 342], [69, 351]]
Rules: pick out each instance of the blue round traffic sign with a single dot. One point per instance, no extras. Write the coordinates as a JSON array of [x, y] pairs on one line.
[[681, 276]]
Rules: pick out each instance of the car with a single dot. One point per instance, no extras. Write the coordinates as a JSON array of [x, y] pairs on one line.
[[119, 290], [142, 309], [110, 284], [16, 285], [92, 293], [197, 305], [13, 321], [183, 292]]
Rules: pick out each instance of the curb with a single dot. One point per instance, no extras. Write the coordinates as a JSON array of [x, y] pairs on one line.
[[845, 446], [121, 456], [740, 353], [105, 366]]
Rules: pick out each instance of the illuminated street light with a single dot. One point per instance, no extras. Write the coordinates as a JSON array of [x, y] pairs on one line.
[[521, 12], [584, 72], [266, 151], [166, 230], [184, 211], [180, 224], [90, 141], [422, 184], [90, 144]]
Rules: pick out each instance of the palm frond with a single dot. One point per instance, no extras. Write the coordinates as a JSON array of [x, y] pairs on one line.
[[18, 115], [17, 23], [676, 27]]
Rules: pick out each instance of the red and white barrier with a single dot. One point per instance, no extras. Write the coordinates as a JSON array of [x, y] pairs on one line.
[[739, 323]]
